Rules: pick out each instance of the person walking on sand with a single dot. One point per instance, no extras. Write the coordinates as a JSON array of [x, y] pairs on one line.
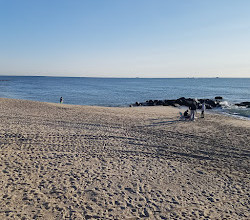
[[61, 100], [203, 108], [193, 110]]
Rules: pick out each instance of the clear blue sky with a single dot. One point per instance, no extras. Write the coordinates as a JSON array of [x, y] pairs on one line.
[[125, 38]]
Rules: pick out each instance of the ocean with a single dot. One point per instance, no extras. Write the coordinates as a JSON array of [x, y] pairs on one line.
[[125, 91]]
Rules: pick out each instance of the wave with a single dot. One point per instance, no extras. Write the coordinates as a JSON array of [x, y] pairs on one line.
[[234, 110]]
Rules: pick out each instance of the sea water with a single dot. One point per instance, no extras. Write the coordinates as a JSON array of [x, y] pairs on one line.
[[125, 91]]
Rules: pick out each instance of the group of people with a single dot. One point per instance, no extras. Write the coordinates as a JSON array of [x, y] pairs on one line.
[[186, 114], [193, 109]]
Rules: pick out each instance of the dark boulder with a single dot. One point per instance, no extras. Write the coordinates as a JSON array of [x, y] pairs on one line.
[[246, 103], [211, 103], [169, 102], [243, 104], [208, 106], [218, 97], [202, 100], [199, 105], [150, 102], [184, 101], [159, 102]]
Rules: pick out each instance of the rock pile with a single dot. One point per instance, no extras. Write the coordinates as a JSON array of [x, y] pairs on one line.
[[243, 104], [210, 103]]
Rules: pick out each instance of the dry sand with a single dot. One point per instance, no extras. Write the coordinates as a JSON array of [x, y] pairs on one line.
[[81, 162]]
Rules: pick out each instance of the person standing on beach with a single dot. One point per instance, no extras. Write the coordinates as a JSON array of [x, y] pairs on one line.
[[193, 110], [61, 100], [203, 108]]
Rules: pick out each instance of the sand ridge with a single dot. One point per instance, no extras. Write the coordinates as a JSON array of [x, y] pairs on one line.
[[83, 162]]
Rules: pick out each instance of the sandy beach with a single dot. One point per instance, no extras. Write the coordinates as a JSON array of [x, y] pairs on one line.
[[82, 162]]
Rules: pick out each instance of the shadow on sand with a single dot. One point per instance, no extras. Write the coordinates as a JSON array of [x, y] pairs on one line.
[[167, 122]]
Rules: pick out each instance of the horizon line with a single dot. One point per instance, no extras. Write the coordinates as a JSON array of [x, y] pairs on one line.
[[136, 77]]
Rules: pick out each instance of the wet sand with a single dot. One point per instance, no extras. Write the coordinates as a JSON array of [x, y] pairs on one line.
[[80, 162]]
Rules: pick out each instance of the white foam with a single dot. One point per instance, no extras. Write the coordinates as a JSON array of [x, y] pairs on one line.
[[225, 104]]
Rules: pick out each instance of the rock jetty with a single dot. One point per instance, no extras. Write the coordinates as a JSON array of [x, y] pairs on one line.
[[210, 103], [243, 104]]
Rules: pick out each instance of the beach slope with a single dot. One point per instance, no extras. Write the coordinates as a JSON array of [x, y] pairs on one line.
[[81, 162]]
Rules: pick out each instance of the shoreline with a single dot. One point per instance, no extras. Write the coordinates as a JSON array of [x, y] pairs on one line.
[[208, 111], [175, 109], [61, 161], [247, 118]]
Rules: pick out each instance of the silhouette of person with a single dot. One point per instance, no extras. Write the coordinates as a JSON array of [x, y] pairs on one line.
[[193, 110], [61, 100]]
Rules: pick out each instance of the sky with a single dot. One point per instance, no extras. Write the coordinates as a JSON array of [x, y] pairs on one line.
[[125, 38]]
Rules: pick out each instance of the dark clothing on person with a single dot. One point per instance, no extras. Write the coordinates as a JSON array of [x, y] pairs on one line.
[[192, 107], [193, 110], [186, 115]]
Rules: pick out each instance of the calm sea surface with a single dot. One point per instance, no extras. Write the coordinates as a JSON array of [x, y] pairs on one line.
[[125, 91]]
